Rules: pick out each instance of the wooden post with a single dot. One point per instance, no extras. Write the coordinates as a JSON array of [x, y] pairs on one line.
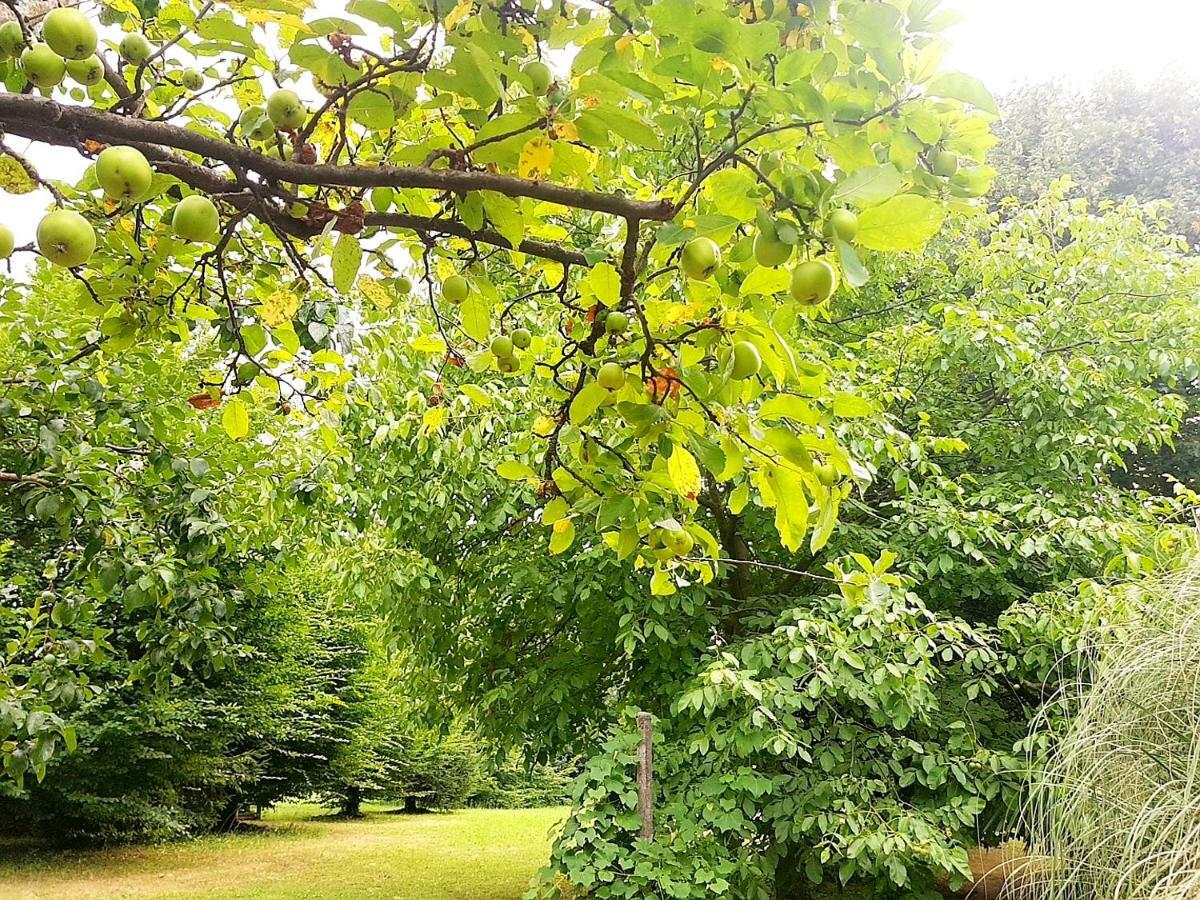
[[645, 775]]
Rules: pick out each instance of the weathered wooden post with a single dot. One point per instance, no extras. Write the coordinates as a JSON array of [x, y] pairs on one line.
[[645, 775]]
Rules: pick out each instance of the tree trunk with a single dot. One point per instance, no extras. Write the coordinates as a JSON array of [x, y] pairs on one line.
[[227, 818], [352, 803], [410, 804]]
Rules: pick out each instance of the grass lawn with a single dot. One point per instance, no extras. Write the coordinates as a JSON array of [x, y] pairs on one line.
[[478, 854]]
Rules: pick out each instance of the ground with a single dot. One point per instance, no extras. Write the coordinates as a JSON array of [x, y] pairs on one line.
[[478, 854]]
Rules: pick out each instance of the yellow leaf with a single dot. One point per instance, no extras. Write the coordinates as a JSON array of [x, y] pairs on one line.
[[684, 473], [563, 536], [433, 419], [566, 131], [247, 92], [459, 13], [13, 177], [536, 157], [375, 291], [279, 308], [624, 42]]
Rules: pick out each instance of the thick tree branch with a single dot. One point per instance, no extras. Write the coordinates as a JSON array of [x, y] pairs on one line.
[[46, 120]]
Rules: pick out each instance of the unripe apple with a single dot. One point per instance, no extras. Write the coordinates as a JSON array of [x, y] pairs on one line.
[[404, 284], [285, 110], [12, 41], [700, 258], [69, 33], [611, 376], [521, 338], [769, 251], [746, 360], [86, 71], [507, 364], [678, 541], [7, 242], [455, 289], [501, 346], [813, 282], [255, 124], [616, 322], [192, 79], [827, 475], [943, 163], [66, 238], [43, 67], [195, 219], [123, 173], [539, 76], [843, 225], [135, 48]]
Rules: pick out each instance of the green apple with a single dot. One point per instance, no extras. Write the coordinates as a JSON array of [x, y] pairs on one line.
[[539, 76], [746, 361], [827, 475], [813, 282], [43, 67], [616, 322], [195, 219], [123, 173], [12, 41], [700, 258], [943, 163], [7, 242], [404, 284], [135, 48], [843, 225], [69, 33], [66, 238], [455, 289], [192, 79], [611, 376], [502, 347], [521, 338], [679, 541], [86, 71], [769, 251], [255, 124], [507, 364], [285, 110]]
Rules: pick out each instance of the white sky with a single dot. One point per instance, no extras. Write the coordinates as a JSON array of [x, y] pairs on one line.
[[1008, 42], [1002, 42]]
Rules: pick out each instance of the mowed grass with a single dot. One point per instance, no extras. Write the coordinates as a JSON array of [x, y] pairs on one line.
[[478, 854]]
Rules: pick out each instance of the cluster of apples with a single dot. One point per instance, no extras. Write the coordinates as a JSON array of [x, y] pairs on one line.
[[67, 239], [68, 47], [813, 281], [284, 110], [505, 346]]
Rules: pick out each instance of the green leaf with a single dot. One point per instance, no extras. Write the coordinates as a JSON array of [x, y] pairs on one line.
[[902, 223], [235, 419], [513, 470], [373, 110], [866, 187], [970, 90], [477, 316], [586, 402], [380, 13], [852, 267], [347, 257], [476, 76], [505, 215], [850, 406], [604, 281]]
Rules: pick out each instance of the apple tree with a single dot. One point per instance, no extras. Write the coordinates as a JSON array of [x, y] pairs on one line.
[[628, 204]]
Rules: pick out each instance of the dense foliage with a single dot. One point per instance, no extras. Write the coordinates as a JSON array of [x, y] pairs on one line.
[[582, 348]]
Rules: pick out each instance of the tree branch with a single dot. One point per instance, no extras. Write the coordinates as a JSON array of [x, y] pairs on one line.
[[46, 120]]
